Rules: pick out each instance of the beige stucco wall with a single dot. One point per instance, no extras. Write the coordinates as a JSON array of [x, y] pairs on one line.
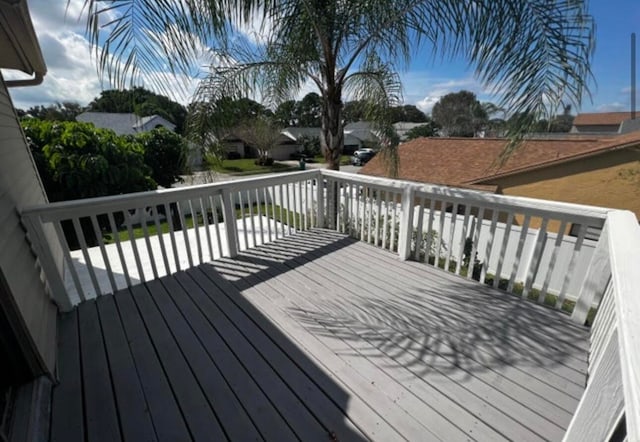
[[608, 180]]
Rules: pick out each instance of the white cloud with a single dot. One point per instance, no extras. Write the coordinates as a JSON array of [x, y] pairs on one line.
[[71, 72], [71, 65]]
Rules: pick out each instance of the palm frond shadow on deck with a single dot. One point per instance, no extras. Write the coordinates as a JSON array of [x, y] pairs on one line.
[[447, 324]]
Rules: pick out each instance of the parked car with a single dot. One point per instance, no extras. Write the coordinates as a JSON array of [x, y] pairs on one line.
[[362, 156]]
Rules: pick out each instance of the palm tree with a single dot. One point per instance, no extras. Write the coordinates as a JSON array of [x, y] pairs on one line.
[[534, 53]]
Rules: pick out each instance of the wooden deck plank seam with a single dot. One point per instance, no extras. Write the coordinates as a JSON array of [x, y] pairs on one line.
[[159, 359], [558, 317], [573, 366], [569, 379], [156, 381], [101, 305]]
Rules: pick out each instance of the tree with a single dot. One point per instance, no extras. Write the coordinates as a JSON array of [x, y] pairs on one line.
[[165, 152], [351, 47], [408, 113], [428, 129], [142, 102], [260, 133], [65, 111], [309, 110], [459, 114], [562, 122], [353, 111], [285, 114], [77, 160]]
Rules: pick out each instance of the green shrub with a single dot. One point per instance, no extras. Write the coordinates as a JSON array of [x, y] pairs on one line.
[[76, 160]]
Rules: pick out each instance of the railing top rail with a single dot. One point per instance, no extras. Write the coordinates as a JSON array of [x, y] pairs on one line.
[[593, 214], [624, 251], [103, 204]]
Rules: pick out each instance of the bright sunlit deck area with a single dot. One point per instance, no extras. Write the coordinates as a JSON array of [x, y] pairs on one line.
[[316, 336]]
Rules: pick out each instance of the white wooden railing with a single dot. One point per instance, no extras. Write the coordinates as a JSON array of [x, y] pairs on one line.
[[115, 242], [520, 245], [610, 407], [570, 257]]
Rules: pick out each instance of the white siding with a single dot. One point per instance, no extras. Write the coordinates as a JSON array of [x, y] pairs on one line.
[[19, 187]]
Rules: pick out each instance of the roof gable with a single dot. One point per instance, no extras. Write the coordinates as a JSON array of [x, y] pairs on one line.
[[601, 119]]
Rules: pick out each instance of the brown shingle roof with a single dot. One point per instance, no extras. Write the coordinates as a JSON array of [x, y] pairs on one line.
[[474, 161], [601, 118]]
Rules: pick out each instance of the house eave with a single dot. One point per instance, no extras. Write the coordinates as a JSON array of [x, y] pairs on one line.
[[19, 47]]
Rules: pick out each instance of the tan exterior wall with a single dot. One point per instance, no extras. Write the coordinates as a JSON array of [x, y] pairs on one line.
[[20, 187], [608, 180]]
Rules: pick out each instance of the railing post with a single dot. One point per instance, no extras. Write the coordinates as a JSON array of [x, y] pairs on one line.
[[230, 224], [406, 223], [52, 274], [333, 198], [596, 278], [320, 198]]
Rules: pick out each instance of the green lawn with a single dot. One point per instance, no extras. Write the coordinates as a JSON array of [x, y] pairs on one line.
[[248, 166]]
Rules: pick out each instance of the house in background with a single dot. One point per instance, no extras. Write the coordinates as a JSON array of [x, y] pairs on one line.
[[402, 127], [295, 137], [593, 171], [605, 122], [289, 143], [132, 124], [364, 131], [125, 124]]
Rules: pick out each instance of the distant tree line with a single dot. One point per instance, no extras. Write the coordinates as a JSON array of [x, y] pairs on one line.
[[461, 114]]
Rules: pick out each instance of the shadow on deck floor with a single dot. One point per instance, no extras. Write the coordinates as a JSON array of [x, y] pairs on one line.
[[315, 337]]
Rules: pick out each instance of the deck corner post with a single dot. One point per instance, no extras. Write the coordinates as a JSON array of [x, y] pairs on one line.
[[320, 198], [597, 277], [406, 223], [230, 224], [42, 249]]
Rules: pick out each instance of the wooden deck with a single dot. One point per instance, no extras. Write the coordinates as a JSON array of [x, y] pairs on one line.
[[315, 337]]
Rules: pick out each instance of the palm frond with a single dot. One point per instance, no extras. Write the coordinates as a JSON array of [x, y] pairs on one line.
[[136, 40]]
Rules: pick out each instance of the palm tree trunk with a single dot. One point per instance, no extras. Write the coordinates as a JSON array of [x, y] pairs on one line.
[[332, 134]]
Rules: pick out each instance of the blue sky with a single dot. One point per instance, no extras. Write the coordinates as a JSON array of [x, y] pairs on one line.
[[72, 75]]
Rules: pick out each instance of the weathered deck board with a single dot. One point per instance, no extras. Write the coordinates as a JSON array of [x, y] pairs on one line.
[[101, 415], [256, 403], [451, 387], [311, 337], [165, 413], [196, 410], [66, 408], [134, 415]]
